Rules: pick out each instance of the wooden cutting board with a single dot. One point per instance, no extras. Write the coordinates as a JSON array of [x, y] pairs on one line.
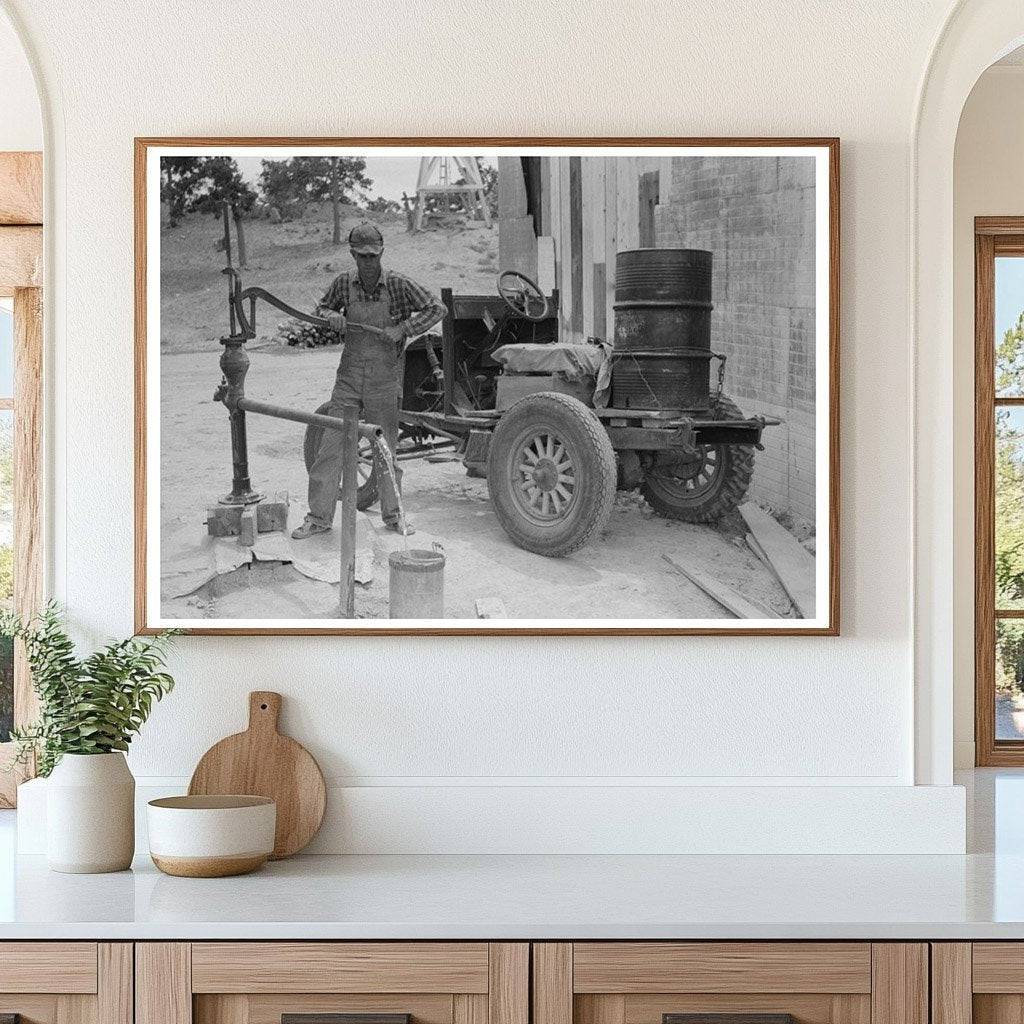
[[262, 762]]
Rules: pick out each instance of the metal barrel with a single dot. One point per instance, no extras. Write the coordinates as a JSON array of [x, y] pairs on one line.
[[662, 336], [416, 584]]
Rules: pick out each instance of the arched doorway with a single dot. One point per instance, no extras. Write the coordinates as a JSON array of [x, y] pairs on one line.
[[976, 34]]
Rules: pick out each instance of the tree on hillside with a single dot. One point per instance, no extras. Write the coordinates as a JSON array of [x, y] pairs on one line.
[[180, 179], [205, 184], [226, 185], [306, 179]]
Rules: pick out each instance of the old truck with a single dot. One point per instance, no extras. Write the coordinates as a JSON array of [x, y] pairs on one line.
[[557, 428]]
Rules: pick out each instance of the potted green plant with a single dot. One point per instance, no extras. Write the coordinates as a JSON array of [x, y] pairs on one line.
[[89, 709]]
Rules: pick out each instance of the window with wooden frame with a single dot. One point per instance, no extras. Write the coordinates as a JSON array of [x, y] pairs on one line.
[[999, 490], [21, 351]]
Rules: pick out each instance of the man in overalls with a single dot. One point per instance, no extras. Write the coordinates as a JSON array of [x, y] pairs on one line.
[[379, 313]]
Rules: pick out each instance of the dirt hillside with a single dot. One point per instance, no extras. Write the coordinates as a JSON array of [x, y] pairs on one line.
[[296, 261]]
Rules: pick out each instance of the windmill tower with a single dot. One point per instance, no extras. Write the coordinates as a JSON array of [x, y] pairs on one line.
[[438, 176]]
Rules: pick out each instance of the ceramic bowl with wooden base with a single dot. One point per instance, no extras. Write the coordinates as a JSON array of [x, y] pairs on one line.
[[211, 836]]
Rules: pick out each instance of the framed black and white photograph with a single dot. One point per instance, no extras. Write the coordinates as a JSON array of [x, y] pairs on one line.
[[487, 386]]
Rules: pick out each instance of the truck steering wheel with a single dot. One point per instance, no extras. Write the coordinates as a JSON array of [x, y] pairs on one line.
[[522, 295]]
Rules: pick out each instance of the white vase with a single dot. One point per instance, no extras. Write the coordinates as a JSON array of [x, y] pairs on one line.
[[90, 814]]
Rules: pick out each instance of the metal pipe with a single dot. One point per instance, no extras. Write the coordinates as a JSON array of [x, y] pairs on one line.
[[314, 419], [234, 363], [349, 496]]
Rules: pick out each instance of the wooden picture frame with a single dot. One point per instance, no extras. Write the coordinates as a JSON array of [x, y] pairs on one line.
[[825, 621]]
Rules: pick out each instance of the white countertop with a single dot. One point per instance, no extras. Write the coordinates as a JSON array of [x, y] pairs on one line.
[[978, 896], [532, 897]]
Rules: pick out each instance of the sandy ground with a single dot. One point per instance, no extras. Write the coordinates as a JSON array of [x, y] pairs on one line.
[[620, 575], [296, 262]]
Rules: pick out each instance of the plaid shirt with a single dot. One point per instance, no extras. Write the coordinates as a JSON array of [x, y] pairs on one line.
[[409, 304]]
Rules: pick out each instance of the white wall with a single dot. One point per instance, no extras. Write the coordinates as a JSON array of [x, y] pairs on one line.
[[442, 713], [21, 124], [988, 181]]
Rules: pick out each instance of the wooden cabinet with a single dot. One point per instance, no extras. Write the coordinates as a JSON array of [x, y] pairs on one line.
[[494, 983], [979, 982], [651, 982], [66, 982], [260, 982]]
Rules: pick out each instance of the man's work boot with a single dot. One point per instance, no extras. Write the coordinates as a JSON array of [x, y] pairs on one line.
[[400, 525], [308, 529]]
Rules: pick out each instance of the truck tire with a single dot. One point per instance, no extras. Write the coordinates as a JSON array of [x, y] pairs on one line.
[[551, 474], [716, 488], [368, 491]]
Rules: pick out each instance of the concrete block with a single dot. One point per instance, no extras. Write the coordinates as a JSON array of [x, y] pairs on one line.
[[226, 520], [247, 526]]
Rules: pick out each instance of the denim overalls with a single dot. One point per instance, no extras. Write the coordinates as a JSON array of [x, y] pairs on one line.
[[369, 376]]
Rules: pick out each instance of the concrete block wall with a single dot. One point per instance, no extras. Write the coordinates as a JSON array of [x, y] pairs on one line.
[[756, 214]]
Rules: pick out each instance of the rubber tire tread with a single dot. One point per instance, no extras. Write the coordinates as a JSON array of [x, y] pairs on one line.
[[596, 473], [728, 497]]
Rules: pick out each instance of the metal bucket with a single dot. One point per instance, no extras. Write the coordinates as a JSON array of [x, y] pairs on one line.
[[662, 357], [417, 583]]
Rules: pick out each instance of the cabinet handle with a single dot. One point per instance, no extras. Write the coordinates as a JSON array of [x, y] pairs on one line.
[[728, 1018], [337, 1018]]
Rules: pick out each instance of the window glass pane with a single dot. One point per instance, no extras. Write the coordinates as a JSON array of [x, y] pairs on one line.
[[1009, 487], [6, 564], [1009, 324], [1009, 679], [6, 349]]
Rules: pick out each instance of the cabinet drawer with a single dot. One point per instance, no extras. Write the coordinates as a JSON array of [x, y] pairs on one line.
[[733, 982], [262, 982], [48, 967], [339, 967], [630, 967]]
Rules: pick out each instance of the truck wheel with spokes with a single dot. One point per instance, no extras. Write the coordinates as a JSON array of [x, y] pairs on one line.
[[365, 469], [703, 486], [551, 474]]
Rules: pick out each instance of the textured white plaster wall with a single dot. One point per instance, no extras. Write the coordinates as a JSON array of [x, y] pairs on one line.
[[21, 126], [739, 711], [988, 181]]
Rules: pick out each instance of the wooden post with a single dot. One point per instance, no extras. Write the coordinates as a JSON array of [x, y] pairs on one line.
[[349, 494]]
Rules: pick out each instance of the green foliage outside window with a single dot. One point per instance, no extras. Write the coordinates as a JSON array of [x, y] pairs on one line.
[[1009, 507]]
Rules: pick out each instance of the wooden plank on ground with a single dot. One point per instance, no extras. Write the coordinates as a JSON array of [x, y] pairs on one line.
[[791, 562], [718, 591], [759, 551], [21, 188], [763, 559]]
